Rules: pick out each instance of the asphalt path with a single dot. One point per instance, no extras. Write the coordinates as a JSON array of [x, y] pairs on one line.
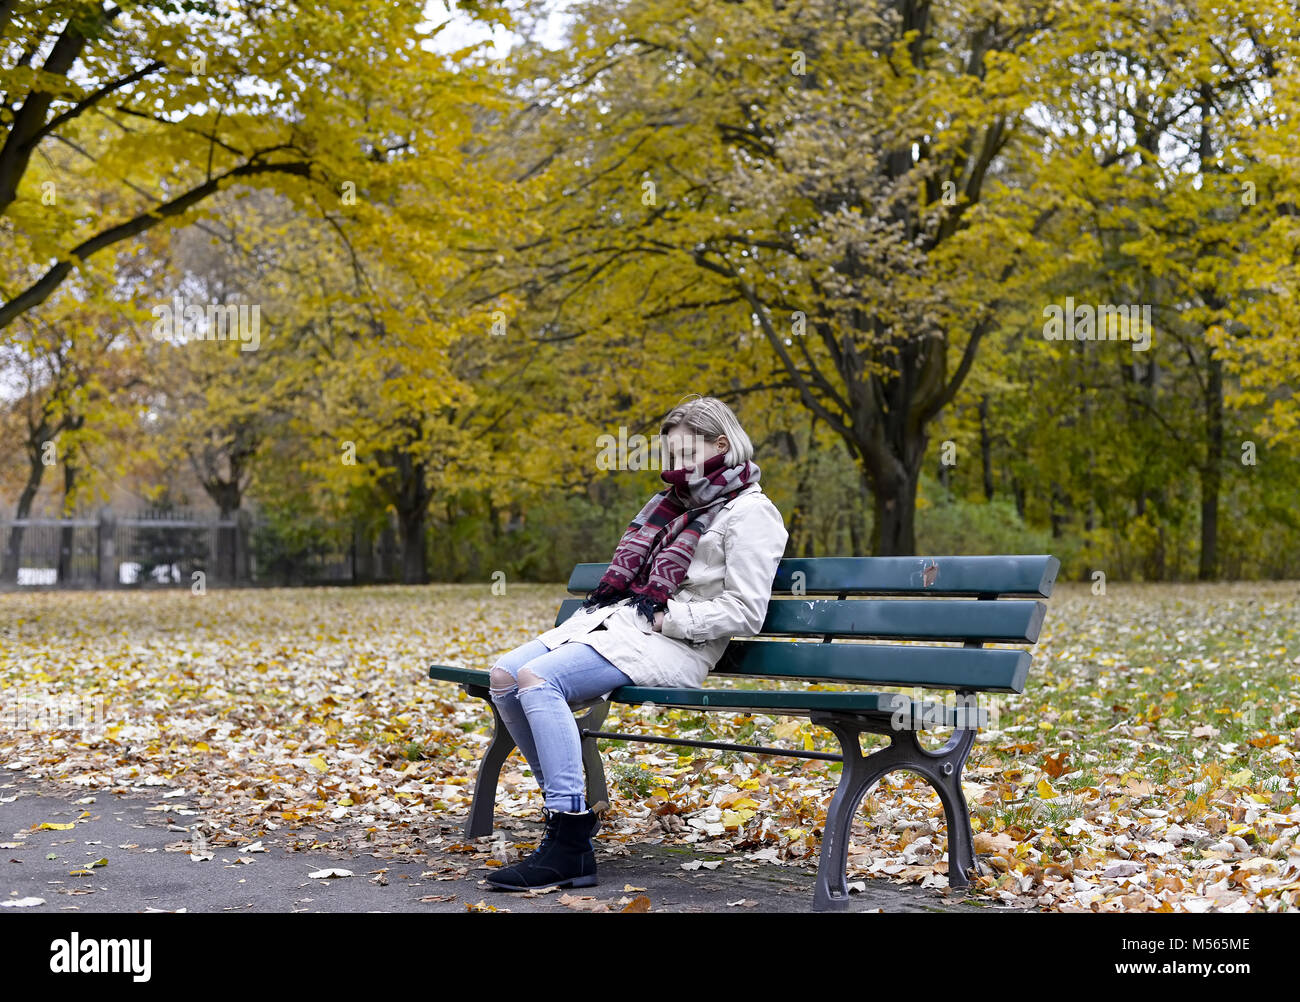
[[154, 862]]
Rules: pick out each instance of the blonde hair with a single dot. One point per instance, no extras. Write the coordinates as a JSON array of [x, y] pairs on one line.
[[711, 417]]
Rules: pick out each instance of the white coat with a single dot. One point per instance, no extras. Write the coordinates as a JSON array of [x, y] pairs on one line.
[[724, 594]]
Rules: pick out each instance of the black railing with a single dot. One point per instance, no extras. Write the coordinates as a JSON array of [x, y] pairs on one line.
[[180, 547]]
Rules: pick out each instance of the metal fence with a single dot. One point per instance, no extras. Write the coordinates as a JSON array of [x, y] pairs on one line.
[[178, 548], [39, 551], [111, 551]]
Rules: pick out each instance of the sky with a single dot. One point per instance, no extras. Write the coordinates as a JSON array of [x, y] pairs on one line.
[[463, 30]]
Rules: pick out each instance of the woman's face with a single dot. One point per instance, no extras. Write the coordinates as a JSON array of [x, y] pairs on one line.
[[687, 450]]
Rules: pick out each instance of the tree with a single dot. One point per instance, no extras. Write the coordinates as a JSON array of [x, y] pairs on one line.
[[847, 190], [140, 115]]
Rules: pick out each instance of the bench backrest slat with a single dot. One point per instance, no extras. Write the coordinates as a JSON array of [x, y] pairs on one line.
[[974, 668], [1032, 575], [967, 620]]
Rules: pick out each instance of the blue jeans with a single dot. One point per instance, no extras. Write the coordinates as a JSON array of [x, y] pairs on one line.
[[539, 718]]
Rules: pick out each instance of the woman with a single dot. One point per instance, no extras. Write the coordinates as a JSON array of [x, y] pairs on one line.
[[693, 570]]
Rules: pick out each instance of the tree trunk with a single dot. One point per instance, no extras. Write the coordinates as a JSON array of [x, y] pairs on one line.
[[1212, 472], [363, 547], [13, 554], [226, 544], [986, 448], [66, 531], [856, 536], [801, 526], [414, 567], [386, 549], [227, 496], [1018, 492], [494, 520], [796, 525], [1057, 519], [412, 497], [893, 492]]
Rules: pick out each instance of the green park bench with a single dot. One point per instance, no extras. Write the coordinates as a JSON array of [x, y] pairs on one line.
[[931, 599]]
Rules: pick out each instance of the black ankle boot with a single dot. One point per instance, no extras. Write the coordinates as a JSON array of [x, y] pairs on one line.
[[563, 858]]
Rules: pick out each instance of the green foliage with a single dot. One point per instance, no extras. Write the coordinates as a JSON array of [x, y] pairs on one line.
[[289, 545], [960, 527], [632, 779], [558, 530]]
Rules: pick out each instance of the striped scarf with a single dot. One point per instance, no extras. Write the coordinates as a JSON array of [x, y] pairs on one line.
[[650, 560]]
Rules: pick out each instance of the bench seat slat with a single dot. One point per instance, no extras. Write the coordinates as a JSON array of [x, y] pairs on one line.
[[1009, 621], [785, 702], [977, 669], [1031, 575], [752, 700], [982, 670]]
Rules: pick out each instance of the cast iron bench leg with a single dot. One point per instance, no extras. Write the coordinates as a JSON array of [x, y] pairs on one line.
[[944, 769], [483, 807], [856, 777], [484, 804], [941, 768], [592, 720]]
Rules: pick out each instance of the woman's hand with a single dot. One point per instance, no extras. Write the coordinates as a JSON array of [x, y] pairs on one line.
[[659, 621]]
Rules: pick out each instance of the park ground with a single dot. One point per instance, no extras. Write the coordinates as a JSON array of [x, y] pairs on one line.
[[1148, 766]]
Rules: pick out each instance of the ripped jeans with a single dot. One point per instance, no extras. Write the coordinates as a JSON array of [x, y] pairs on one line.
[[539, 719]]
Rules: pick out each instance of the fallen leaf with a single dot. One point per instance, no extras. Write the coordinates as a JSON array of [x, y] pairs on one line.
[[1055, 766], [584, 903], [989, 842]]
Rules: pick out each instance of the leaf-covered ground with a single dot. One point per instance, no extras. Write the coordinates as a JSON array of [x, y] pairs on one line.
[[1149, 765]]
